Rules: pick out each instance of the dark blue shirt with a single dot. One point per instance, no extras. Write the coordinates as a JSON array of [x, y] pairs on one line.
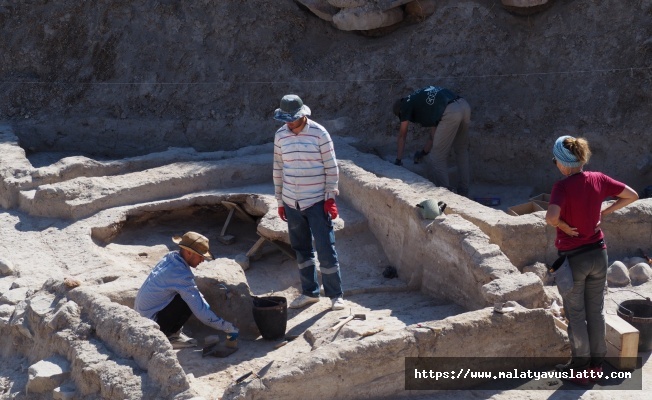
[[426, 106]]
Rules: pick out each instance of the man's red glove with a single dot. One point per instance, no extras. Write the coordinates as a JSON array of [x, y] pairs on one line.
[[281, 213], [331, 208]]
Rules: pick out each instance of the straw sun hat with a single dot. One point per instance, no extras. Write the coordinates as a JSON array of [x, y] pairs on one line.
[[194, 242]]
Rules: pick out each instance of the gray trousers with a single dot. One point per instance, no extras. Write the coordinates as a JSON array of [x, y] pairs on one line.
[[452, 132], [584, 305]]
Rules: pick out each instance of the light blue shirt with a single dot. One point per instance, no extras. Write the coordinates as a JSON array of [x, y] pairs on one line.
[[170, 276]]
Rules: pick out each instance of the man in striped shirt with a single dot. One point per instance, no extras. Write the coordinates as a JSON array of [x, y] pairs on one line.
[[305, 185]]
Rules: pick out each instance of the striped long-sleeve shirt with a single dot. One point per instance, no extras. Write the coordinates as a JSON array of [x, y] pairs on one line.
[[305, 167]]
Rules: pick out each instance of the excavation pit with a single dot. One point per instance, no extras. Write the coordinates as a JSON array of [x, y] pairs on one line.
[[106, 223]]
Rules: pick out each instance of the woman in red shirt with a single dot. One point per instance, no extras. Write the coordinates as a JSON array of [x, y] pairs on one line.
[[576, 211]]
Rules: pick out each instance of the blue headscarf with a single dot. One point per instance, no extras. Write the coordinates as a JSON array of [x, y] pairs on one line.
[[564, 156]]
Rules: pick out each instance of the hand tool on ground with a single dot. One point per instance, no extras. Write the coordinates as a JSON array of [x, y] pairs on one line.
[[361, 317], [258, 374], [243, 377], [371, 332], [435, 330], [286, 340], [218, 350]]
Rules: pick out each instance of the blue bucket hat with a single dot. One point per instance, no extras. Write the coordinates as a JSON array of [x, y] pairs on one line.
[[292, 108], [564, 156]]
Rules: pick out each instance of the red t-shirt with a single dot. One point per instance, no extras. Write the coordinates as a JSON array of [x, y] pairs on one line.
[[580, 198]]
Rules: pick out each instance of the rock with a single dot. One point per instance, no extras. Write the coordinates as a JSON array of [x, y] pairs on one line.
[[526, 7], [6, 312], [526, 289], [617, 275], [47, 374], [71, 283], [64, 317], [631, 261], [243, 260], [366, 18], [320, 8], [226, 290], [419, 10], [41, 304], [348, 3], [540, 270], [640, 273], [6, 267], [14, 296]]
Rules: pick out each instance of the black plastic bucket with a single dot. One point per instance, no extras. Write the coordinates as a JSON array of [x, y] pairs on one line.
[[639, 314], [271, 316]]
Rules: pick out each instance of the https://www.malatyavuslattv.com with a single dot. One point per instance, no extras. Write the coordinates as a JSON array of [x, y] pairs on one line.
[[523, 373], [467, 373]]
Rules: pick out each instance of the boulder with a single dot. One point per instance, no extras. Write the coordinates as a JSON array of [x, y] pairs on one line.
[[526, 289], [366, 18], [419, 10], [6, 267], [224, 285], [640, 273], [320, 8], [46, 375], [617, 275], [526, 7]]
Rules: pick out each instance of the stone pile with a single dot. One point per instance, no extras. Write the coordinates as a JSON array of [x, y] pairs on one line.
[[635, 271], [368, 15], [364, 15]]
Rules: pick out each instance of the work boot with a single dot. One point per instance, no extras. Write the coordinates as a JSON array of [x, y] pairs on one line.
[[575, 371], [180, 340], [418, 156], [303, 301], [595, 373]]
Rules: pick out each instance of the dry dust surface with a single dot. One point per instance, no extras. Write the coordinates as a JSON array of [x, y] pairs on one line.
[[386, 303]]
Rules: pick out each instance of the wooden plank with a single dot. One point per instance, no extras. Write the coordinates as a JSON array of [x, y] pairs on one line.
[[622, 342], [256, 247], [240, 212], [226, 224]]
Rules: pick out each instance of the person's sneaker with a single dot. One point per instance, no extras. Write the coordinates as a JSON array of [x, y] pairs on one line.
[[418, 156], [180, 340], [338, 304], [303, 301]]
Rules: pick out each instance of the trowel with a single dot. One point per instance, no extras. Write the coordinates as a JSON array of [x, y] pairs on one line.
[[218, 350]]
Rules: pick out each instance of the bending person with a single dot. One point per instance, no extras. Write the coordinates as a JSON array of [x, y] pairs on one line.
[[448, 117]]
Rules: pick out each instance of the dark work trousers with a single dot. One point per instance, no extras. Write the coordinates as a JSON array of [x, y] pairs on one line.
[[584, 307], [173, 316]]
